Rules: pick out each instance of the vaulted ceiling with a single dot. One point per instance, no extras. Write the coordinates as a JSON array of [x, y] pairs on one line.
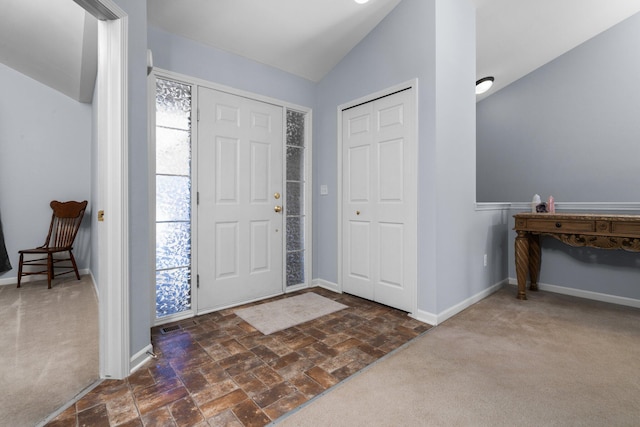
[[515, 37], [304, 37], [54, 41]]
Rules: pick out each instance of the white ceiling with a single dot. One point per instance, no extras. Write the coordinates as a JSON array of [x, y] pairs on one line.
[[304, 37], [51, 40], [514, 37]]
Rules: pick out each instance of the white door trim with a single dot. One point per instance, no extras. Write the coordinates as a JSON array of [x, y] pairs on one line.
[[368, 98], [113, 253]]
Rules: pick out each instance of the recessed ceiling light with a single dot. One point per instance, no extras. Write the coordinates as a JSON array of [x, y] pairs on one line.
[[361, 1], [483, 85]]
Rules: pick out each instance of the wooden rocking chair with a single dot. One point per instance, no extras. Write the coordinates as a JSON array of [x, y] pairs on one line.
[[65, 223]]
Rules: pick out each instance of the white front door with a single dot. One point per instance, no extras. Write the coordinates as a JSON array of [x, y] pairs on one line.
[[240, 233], [379, 200]]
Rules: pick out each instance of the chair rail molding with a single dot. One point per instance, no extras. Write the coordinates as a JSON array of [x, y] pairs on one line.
[[564, 206]]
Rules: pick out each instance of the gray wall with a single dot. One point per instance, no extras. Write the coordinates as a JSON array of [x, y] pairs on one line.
[[433, 41], [184, 56], [569, 129], [45, 154], [141, 279], [404, 46]]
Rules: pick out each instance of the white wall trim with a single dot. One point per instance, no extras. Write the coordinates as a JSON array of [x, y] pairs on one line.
[[27, 279], [426, 317], [572, 206], [325, 284], [436, 319], [452, 311], [568, 206], [596, 296], [498, 206], [95, 284], [140, 358], [113, 233]]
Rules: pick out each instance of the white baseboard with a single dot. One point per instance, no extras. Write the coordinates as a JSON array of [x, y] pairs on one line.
[[426, 317], [436, 319], [95, 284], [14, 280], [327, 285], [140, 358], [596, 296]]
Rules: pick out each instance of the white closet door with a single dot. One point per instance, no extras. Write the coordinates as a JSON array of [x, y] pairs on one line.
[[379, 200]]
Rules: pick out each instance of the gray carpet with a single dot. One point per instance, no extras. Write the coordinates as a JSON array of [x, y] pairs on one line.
[[553, 360], [49, 348]]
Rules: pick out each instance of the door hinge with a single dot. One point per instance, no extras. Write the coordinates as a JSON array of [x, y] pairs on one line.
[[198, 114], [197, 197], [197, 280]]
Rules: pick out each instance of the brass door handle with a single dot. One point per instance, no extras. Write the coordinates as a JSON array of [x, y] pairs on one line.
[[278, 209], [357, 212]]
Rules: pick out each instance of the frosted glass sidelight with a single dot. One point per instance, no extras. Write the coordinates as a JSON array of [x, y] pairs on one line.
[[173, 245], [296, 153], [295, 268], [295, 128], [295, 164], [295, 233], [173, 291], [173, 104], [173, 197], [294, 198], [173, 151]]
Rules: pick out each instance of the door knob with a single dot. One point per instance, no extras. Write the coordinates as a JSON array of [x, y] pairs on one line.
[[278, 209], [357, 212]]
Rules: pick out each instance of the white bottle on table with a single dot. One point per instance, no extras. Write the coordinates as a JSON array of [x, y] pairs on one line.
[[535, 202]]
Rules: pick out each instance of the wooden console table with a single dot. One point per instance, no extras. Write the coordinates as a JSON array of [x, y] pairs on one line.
[[596, 231]]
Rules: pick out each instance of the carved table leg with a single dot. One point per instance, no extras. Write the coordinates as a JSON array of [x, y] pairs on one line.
[[534, 260], [522, 263]]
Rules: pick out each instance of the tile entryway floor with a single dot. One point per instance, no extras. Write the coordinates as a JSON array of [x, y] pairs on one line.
[[217, 370]]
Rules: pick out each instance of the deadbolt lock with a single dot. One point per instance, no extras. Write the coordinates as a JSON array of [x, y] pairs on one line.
[[276, 196], [100, 215]]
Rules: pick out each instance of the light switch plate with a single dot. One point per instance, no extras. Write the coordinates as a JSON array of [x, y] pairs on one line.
[[324, 190]]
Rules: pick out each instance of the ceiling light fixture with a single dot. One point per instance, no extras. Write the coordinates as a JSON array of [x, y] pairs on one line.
[[361, 1], [484, 84]]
